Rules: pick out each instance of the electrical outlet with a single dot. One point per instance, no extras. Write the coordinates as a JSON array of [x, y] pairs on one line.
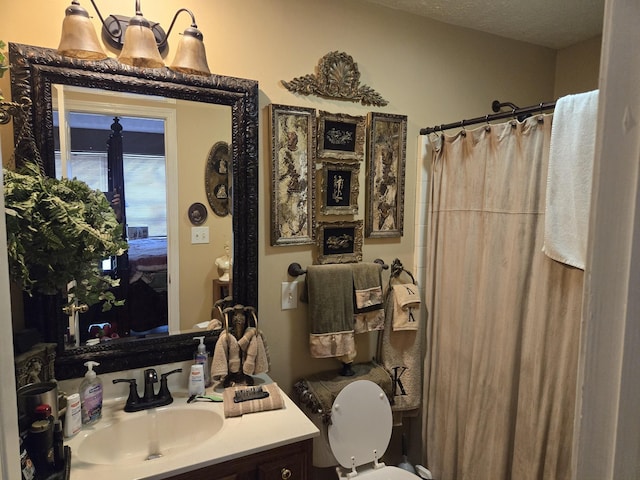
[[289, 295], [199, 234]]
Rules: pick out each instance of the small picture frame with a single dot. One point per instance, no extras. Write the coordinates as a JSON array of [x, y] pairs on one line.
[[386, 157], [293, 136], [341, 136], [339, 242], [339, 187]]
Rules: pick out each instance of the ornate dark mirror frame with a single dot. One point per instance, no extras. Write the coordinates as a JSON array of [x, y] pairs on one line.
[[35, 69]]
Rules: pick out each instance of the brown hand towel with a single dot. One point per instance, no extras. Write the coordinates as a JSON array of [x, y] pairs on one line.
[[368, 299], [274, 401], [329, 291], [367, 284]]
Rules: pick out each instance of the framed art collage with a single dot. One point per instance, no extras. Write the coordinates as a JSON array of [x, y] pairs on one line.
[[335, 145]]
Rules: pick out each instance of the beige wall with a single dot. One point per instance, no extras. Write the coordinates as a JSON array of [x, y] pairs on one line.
[[577, 68], [200, 126], [431, 72]]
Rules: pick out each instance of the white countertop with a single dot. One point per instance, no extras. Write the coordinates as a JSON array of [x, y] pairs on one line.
[[239, 436]]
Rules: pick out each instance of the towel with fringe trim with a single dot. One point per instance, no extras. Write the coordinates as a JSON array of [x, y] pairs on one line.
[[329, 292], [318, 392], [274, 401]]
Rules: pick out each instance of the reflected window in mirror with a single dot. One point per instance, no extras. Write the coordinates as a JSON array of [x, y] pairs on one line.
[[124, 157], [126, 146]]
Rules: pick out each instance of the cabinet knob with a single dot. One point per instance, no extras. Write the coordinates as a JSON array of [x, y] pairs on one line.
[[285, 473]]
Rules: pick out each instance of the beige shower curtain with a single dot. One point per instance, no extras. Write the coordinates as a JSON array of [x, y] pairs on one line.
[[503, 318]]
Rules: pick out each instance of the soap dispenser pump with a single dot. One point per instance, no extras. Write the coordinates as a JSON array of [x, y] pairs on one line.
[[202, 358], [91, 395]]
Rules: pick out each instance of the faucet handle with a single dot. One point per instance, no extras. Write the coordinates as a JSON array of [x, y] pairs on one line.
[[164, 388], [166, 374], [133, 399]]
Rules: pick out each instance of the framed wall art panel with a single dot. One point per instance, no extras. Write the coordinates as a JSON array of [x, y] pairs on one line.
[[293, 136], [341, 136], [339, 187], [339, 242], [386, 157]]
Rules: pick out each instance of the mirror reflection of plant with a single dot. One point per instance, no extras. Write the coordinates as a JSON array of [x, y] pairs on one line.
[[59, 230], [3, 59], [3, 64]]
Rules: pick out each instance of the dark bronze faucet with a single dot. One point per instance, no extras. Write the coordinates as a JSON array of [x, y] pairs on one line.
[[149, 399]]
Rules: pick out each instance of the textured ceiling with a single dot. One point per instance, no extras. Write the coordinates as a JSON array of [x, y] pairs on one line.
[[550, 23]]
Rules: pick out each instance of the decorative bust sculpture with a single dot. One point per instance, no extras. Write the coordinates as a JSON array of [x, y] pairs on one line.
[[224, 264]]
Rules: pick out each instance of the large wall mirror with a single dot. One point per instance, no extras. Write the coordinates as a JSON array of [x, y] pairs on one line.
[[185, 116]]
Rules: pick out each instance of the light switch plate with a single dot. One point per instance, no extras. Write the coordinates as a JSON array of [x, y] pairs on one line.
[[289, 295], [199, 234]]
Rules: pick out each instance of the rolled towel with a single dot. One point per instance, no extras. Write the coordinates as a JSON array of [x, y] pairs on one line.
[[244, 341], [219, 361], [406, 302], [274, 401], [251, 352], [262, 359], [234, 354]]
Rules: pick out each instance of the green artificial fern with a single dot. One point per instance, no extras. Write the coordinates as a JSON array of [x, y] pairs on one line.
[[3, 63], [59, 230]]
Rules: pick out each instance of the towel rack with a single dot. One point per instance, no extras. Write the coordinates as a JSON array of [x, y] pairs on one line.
[[295, 269]]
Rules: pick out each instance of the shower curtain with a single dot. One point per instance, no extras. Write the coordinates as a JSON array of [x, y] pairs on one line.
[[503, 318]]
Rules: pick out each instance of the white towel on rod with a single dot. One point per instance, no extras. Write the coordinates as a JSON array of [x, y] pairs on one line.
[[569, 178]]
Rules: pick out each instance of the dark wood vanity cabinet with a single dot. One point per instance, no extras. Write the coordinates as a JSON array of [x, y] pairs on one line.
[[282, 463]]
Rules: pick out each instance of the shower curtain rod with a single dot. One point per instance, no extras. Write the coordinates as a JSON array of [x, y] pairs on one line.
[[520, 113]]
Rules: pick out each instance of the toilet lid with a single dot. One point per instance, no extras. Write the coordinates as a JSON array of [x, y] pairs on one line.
[[360, 424]]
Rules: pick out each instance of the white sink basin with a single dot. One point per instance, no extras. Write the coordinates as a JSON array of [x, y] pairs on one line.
[[138, 437]]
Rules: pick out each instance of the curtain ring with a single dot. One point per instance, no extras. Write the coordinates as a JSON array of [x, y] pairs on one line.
[[487, 127], [463, 132], [541, 116]]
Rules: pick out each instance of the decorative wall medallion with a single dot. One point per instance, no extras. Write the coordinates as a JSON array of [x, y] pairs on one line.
[[217, 178], [337, 77], [197, 213]]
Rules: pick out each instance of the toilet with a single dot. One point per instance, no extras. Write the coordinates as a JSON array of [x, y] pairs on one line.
[[359, 434]]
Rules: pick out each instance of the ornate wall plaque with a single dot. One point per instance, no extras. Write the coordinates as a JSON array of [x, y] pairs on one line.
[[216, 178], [337, 77]]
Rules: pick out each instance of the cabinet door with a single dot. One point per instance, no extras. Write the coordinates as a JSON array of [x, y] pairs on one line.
[[288, 462], [293, 467]]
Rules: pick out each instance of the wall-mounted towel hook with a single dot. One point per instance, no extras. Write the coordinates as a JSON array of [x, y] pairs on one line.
[[397, 268], [295, 270], [381, 263]]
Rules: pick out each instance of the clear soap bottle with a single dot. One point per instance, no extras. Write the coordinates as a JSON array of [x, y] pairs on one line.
[[201, 357], [91, 395]]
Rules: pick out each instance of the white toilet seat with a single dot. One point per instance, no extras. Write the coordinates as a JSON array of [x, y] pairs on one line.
[[360, 430]]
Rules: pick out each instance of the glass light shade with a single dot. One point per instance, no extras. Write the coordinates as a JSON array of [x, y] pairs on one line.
[[79, 39], [190, 56], [139, 47]]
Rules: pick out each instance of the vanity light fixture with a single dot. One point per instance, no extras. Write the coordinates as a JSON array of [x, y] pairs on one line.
[[141, 42], [79, 39]]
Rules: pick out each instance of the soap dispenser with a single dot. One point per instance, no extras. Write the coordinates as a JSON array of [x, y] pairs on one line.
[[201, 357], [91, 395]]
